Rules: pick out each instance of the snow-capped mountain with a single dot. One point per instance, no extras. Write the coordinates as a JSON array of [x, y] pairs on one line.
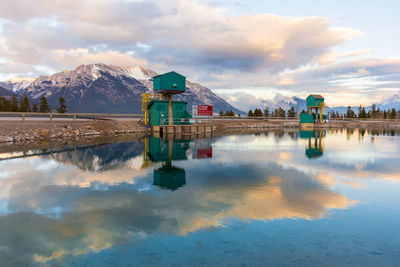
[[284, 102], [17, 84], [107, 88], [389, 103]]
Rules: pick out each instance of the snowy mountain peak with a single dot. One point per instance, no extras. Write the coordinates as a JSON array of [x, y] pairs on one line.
[[18, 83], [136, 72], [392, 99], [139, 73]]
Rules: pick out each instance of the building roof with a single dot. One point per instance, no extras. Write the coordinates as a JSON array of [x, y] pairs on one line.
[[168, 73], [317, 97]]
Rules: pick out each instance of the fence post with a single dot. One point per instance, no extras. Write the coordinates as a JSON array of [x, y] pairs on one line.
[[23, 116], [51, 116], [74, 117]]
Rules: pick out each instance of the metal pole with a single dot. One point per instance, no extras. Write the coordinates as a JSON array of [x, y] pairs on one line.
[[170, 112]]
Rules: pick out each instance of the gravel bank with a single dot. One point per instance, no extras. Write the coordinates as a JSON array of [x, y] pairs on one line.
[[16, 131]]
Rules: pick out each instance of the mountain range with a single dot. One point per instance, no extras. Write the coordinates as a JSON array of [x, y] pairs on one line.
[[106, 89], [299, 104]]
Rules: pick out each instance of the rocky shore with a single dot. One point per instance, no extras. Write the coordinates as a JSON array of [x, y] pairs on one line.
[[17, 131], [43, 130]]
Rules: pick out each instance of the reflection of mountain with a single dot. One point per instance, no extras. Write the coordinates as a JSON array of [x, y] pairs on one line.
[[101, 158]]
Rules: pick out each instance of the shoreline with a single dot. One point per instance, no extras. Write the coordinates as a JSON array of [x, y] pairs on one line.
[[16, 132]]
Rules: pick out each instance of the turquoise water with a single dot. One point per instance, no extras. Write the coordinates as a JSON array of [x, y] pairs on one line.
[[273, 198]]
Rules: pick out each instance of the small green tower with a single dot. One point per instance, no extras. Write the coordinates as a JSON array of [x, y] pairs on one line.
[[317, 103], [164, 111]]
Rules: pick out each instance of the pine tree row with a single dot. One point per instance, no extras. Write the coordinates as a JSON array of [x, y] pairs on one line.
[[23, 105]]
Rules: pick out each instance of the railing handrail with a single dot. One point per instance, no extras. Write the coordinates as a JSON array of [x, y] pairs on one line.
[[71, 114]]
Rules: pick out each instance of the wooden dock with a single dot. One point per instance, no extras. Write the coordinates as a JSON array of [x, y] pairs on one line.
[[183, 129]]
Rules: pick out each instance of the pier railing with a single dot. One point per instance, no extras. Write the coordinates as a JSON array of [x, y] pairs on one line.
[[72, 116], [205, 119]]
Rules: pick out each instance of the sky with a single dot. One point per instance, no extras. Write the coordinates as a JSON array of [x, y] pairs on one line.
[[245, 51]]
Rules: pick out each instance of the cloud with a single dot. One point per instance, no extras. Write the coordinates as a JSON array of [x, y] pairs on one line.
[[205, 42], [178, 32]]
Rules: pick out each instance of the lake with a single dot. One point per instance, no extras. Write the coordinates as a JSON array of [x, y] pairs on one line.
[[273, 198]]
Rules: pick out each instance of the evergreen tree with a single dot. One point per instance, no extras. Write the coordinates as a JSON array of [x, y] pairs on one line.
[[35, 108], [250, 113], [2, 104], [373, 111], [384, 114], [350, 113], [44, 105], [229, 113], [363, 113], [221, 113], [258, 112], [61, 108], [291, 113], [266, 111], [14, 103], [393, 114], [24, 104], [280, 112]]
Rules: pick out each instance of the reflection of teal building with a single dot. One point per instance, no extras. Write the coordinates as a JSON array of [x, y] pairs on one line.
[[165, 151], [169, 177], [161, 150], [314, 149]]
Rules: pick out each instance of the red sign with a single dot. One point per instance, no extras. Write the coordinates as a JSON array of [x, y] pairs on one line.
[[203, 110], [204, 153]]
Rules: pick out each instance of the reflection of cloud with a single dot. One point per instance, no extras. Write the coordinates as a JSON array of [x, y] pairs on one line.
[[94, 218], [264, 177]]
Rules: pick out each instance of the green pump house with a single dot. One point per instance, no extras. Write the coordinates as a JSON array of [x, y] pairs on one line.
[[317, 103], [166, 111]]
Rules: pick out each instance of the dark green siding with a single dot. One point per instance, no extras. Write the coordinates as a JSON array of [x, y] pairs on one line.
[[306, 118], [312, 102], [170, 81], [158, 107]]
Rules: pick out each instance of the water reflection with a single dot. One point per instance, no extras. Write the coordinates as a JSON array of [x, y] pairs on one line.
[[85, 201], [315, 148], [166, 151]]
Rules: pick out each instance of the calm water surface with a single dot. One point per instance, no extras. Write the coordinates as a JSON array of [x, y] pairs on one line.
[[274, 198]]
